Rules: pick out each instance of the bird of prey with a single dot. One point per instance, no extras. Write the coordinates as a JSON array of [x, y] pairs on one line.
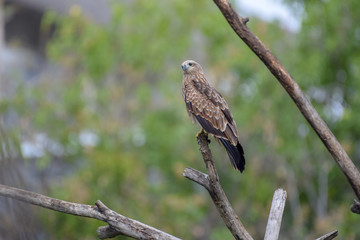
[[206, 106]]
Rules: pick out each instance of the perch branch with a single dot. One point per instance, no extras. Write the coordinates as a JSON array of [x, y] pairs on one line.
[[329, 236], [238, 24], [118, 224], [212, 184], [275, 216]]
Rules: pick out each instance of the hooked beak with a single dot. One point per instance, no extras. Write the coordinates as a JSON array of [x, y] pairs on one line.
[[184, 67]]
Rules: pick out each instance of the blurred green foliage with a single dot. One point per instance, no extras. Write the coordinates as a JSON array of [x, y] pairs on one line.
[[122, 89]]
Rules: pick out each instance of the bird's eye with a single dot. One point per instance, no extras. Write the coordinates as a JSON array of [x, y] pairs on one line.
[[190, 64]]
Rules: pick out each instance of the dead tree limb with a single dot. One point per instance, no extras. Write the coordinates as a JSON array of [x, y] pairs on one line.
[[118, 224], [238, 24], [212, 184], [275, 216]]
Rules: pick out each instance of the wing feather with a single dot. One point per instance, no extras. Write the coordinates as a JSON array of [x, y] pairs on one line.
[[210, 110]]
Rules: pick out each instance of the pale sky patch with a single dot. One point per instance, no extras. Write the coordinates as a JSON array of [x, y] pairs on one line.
[[270, 10]]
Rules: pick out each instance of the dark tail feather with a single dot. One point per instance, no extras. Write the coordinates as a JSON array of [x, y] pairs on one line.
[[236, 154]]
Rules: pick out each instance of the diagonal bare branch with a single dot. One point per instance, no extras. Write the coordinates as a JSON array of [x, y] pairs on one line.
[[238, 24]]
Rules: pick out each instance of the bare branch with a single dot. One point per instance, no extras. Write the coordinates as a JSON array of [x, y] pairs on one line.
[[212, 184], [278, 70], [275, 216], [329, 236], [77, 209], [118, 224]]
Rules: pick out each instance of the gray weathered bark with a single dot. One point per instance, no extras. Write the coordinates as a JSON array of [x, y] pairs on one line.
[[118, 224], [275, 216]]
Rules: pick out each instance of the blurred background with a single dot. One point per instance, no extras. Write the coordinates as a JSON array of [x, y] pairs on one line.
[[91, 108]]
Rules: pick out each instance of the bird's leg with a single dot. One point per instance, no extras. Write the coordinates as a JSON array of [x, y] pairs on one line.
[[202, 131]]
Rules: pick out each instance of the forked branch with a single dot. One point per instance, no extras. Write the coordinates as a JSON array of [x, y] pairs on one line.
[[212, 184]]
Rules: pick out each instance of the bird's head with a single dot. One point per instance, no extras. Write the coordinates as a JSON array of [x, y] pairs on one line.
[[190, 66]]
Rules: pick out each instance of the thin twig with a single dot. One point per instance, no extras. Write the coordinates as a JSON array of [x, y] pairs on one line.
[[212, 184], [118, 224], [329, 236], [278, 70], [275, 216]]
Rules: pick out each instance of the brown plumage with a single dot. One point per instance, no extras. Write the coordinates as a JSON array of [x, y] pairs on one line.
[[206, 105]]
